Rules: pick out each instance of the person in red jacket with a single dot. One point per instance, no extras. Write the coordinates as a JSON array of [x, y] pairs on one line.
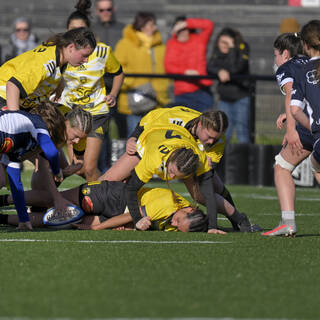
[[186, 53]]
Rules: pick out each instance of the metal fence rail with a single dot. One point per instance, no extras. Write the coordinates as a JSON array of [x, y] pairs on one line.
[[266, 103]]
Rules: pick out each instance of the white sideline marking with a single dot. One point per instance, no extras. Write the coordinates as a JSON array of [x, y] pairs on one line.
[[269, 197], [66, 318], [297, 214], [115, 241], [260, 197]]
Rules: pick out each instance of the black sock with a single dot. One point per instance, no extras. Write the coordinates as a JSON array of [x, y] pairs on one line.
[[235, 219], [226, 194], [38, 209], [4, 200], [3, 218]]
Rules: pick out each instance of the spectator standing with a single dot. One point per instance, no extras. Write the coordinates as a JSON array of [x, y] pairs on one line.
[[231, 57], [141, 50], [106, 28], [85, 86], [109, 31], [186, 53], [21, 40]]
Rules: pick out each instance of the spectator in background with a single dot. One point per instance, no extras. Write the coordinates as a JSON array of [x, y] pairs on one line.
[[108, 30], [231, 57], [84, 85], [20, 40], [186, 53], [141, 50]]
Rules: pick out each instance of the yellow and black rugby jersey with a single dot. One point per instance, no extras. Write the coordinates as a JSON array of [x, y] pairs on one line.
[[180, 116], [36, 73], [84, 85], [216, 152], [159, 205], [156, 144]]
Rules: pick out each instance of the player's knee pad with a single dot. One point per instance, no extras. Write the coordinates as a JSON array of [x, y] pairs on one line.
[[283, 163]]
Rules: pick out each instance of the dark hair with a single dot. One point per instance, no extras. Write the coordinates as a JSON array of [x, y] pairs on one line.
[[82, 12], [289, 41], [141, 19], [198, 221], [185, 159], [81, 37], [310, 35], [54, 121], [178, 19], [232, 33], [215, 120]]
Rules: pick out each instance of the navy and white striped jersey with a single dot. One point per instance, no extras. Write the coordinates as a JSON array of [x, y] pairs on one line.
[[306, 89], [21, 135], [19, 132], [287, 72]]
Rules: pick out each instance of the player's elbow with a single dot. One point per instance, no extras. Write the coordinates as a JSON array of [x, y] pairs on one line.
[[295, 111]]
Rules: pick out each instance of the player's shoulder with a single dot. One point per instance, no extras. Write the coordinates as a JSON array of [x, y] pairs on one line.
[[312, 63], [101, 50], [294, 63], [44, 52], [18, 114], [300, 60], [23, 119], [35, 119]]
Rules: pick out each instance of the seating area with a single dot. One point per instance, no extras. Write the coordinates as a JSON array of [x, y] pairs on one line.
[[257, 20]]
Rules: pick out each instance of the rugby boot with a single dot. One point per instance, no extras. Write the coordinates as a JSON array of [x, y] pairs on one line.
[[245, 225], [285, 228]]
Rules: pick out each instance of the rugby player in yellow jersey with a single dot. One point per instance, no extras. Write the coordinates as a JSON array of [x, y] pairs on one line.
[[207, 129], [105, 207], [85, 86], [31, 77], [171, 152]]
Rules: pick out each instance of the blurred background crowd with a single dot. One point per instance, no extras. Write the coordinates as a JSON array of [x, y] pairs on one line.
[[208, 54], [219, 38]]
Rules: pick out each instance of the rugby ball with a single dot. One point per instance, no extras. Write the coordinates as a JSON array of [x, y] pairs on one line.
[[55, 219]]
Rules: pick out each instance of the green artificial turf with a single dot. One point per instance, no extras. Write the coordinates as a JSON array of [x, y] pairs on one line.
[[73, 274]]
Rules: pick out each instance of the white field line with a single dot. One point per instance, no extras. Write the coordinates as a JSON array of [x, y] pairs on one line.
[[221, 217], [66, 318], [256, 196], [296, 214], [115, 241]]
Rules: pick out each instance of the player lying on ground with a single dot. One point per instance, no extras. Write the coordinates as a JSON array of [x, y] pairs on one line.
[[105, 206], [171, 152], [207, 128]]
